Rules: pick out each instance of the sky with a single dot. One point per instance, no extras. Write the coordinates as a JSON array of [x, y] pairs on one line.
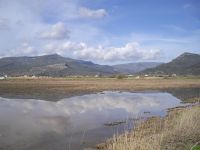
[[102, 31]]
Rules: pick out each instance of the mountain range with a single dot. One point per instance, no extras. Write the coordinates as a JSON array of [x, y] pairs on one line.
[[185, 64], [131, 68], [51, 65], [57, 66]]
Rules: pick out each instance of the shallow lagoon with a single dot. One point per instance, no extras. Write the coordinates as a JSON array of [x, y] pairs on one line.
[[76, 122]]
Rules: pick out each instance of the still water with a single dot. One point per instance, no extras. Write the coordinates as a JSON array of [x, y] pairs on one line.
[[76, 122]]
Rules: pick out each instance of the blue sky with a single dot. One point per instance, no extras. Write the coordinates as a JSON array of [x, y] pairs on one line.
[[103, 31]]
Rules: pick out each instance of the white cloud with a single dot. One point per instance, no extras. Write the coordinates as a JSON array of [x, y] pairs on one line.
[[56, 31], [27, 48], [89, 13], [24, 49], [37, 21], [129, 52]]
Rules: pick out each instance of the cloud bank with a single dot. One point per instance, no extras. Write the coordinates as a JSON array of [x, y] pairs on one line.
[[129, 52]]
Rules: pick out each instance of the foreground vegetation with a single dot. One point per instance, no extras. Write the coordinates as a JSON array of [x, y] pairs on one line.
[[179, 130]]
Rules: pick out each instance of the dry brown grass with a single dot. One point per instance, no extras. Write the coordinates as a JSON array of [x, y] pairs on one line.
[[106, 83], [179, 130], [75, 86]]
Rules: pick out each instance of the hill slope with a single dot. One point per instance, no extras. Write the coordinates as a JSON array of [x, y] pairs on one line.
[[50, 65], [132, 68], [185, 64]]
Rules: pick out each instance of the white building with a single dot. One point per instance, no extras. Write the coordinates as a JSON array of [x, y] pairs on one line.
[[137, 77], [3, 77]]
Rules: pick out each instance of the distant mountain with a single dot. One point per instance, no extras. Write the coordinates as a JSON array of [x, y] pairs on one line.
[[57, 66], [50, 65], [132, 68], [185, 64]]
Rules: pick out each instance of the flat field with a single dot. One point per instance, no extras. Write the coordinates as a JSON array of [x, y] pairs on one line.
[[56, 88]]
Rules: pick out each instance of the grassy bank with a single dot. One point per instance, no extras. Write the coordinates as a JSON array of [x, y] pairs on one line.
[[179, 130]]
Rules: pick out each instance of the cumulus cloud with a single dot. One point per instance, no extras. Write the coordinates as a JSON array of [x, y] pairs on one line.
[[102, 54], [45, 30], [89, 13], [23, 49], [129, 52], [27, 48], [56, 31]]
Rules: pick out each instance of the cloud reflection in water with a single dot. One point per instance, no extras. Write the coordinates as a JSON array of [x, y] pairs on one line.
[[29, 118]]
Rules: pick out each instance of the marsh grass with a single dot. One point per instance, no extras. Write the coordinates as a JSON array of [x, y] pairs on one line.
[[57, 88], [179, 130]]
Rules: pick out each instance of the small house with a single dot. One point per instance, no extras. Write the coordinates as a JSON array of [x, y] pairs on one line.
[[96, 76], [3, 77], [173, 75], [137, 77], [130, 75]]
